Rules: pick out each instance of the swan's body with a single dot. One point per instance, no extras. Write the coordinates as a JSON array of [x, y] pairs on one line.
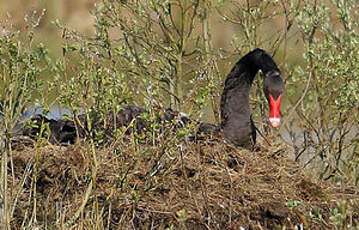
[[236, 123]]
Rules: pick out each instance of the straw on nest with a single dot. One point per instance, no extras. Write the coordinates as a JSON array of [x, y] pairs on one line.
[[193, 186]]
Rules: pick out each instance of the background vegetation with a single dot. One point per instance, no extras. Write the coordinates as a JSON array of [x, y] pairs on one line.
[[97, 56]]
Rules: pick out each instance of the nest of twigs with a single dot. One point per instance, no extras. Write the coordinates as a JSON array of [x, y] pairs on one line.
[[168, 185]]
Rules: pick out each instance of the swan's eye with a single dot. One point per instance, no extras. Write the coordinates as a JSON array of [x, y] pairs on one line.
[[274, 108]]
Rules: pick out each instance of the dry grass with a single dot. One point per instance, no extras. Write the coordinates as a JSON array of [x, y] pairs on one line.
[[194, 186]]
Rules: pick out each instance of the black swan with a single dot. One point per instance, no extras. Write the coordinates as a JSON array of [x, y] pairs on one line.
[[236, 122]]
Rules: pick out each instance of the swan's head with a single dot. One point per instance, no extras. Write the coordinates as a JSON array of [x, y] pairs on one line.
[[273, 86]]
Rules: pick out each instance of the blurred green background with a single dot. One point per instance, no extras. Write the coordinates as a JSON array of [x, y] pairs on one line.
[[78, 15], [75, 14]]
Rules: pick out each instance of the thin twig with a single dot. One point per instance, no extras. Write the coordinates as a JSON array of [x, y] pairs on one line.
[[300, 99], [121, 136]]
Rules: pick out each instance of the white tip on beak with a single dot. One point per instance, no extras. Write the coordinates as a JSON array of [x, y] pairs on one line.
[[274, 121]]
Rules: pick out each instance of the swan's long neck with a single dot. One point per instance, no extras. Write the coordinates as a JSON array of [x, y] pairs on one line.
[[235, 111]]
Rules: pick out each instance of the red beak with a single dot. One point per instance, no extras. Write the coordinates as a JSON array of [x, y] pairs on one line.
[[274, 107]]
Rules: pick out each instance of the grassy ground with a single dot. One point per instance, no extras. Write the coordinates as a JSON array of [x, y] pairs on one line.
[[209, 185]]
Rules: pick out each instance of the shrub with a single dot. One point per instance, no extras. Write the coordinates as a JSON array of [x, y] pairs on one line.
[[328, 107]]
